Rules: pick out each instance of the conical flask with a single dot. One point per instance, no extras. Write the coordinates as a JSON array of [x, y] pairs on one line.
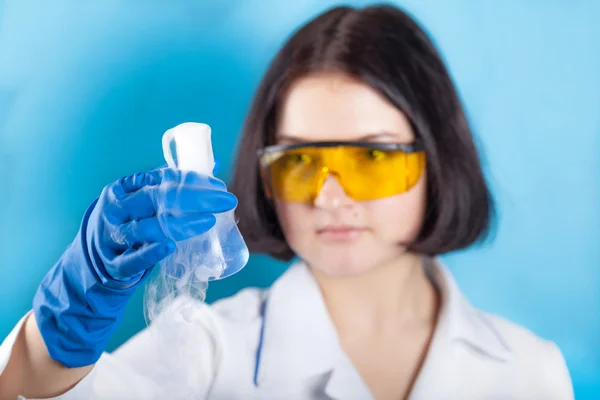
[[220, 252]]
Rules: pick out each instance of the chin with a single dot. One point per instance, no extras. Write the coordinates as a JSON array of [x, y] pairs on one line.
[[344, 261], [340, 271]]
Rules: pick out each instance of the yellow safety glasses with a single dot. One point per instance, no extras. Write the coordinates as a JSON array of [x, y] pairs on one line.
[[366, 171]]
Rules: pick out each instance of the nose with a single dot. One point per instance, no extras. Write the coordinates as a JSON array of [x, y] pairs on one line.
[[332, 195]]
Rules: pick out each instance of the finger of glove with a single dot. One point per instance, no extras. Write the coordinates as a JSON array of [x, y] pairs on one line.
[[178, 177], [114, 195], [178, 200], [135, 182], [187, 197], [177, 228], [135, 261], [172, 200], [132, 183]]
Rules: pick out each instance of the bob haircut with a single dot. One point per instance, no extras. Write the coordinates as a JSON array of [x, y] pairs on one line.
[[383, 47]]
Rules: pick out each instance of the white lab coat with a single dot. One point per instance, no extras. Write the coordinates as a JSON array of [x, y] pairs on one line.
[[280, 344]]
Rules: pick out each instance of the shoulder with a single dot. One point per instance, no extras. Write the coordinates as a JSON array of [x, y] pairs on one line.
[[221, 320], [192, 331], [503, 355], [538, 360], [245, 305], [188, 321], [525, 346], [237, 320]]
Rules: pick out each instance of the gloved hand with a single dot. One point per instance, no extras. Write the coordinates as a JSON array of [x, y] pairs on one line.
[[131, 227]]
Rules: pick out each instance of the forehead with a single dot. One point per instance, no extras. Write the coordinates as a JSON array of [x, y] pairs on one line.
[[337, 107]]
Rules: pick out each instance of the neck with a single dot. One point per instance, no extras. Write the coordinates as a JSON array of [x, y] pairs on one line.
[[390, 298]]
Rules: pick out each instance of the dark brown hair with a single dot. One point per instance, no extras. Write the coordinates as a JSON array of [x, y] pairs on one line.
[[385, 48]]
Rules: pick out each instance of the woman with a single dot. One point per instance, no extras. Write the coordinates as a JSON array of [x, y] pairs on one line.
[[357, 158]]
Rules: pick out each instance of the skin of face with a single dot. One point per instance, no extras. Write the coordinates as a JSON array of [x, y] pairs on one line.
[[336, 235]]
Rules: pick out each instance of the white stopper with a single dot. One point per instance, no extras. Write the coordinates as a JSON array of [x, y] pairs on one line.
[[193, 148]]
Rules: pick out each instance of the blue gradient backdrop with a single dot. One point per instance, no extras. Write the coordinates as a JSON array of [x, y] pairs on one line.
[[87, 89]]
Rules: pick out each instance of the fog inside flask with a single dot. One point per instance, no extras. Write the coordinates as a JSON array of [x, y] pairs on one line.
[[216, 254], [221, 252]]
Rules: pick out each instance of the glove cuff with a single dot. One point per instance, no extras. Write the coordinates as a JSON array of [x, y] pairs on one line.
[[75, 309]]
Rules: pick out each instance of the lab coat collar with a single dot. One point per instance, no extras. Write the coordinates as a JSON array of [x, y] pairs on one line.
[[299, 339], [459, 320]]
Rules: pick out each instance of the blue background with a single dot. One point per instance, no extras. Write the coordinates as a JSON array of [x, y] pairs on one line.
[[88, 88]]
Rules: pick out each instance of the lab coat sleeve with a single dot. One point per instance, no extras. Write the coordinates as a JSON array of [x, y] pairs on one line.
[[174, 358], [7, 344]]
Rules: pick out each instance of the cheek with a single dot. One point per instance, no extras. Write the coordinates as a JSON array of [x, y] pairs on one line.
[[294, 219], [399, 218]]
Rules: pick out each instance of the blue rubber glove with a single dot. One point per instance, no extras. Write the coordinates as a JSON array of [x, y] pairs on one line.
[[132, 226]]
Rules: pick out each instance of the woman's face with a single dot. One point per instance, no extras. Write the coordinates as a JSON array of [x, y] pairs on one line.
[[336, 234]]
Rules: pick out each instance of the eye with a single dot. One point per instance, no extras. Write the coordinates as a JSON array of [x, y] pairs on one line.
[[298, 159], [376, 155]]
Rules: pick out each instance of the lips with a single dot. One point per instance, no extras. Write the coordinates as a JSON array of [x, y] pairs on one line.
[[340, 233], [339, 229]]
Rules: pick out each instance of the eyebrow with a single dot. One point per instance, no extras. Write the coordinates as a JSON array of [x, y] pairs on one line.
[[365, 138]]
